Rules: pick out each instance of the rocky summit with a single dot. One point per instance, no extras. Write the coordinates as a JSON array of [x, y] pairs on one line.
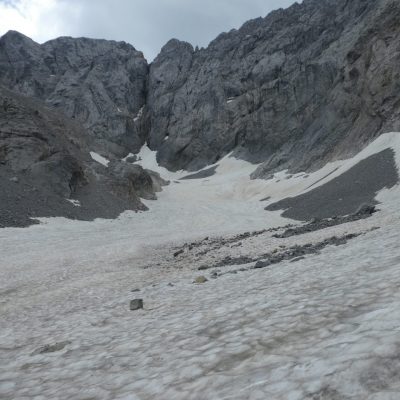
[[294, 90], [101, 84]]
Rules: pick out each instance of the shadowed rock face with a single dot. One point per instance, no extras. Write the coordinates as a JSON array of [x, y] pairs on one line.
[[293, 90], [46, 170], [66, 98], [99, 83]]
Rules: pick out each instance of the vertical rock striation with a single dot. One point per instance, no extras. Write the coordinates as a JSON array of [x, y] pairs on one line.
[[99, 83], [293, 90]]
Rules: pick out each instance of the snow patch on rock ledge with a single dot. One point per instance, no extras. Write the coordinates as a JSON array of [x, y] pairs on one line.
[[138, 115], [100, 159], [75, 203]]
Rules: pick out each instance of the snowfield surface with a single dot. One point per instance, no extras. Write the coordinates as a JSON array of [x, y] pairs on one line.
[[326, 327]]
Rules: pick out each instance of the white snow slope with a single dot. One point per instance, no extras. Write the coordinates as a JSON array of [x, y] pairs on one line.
[[325, 327], [100, 159]]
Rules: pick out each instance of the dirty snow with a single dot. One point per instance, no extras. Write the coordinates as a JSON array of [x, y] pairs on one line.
[[326, 327]]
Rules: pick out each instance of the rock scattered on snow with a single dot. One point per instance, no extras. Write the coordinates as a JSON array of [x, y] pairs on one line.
[[297, 259], [279, 255], [131, 159], [315, 224], [262, 264], [136, 304], [200, 279], [215, 274], [177, 253], [51, 348], [366, 210]]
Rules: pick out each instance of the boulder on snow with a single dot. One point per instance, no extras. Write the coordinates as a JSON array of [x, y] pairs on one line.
[[200, 279], [366, 209], [131, 159], [136, 304], [178, 253], [262, 264]]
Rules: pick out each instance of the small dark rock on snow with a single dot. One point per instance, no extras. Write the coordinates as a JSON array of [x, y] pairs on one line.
[[51, 348], [131, 159], [262, 264], [136, 304], [177, 253], [366, 209]]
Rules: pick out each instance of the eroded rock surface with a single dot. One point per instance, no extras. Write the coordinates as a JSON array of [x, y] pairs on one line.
[[99, 83], [46, 170], [293, 90]]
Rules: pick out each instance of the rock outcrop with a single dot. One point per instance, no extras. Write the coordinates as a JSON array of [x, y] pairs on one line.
[[46, 169], [293, 90], [100, 84]]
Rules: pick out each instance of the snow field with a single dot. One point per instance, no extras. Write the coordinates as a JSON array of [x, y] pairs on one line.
[[326, 326]]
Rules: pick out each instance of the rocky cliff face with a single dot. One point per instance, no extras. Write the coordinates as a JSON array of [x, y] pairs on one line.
[[292, 90], [46, 169], [101, 84], [60, 101]]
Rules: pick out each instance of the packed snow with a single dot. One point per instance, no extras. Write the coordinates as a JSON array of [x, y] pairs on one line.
[[100, 159], [325, 327]]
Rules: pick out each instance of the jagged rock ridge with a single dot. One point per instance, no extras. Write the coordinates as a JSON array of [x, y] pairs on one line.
[[99, 83], [295, 89]]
